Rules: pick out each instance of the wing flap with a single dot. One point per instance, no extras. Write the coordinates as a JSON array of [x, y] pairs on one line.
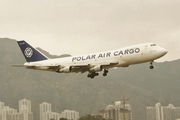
[[85, 67]]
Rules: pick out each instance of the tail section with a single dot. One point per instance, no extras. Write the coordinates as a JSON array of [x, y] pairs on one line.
[[30, 53]]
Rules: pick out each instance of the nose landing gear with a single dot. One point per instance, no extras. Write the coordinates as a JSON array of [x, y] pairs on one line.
[[151, 63]]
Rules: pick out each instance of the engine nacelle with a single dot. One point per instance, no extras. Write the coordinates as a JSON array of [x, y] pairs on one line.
[[66, 69], [96, 68]]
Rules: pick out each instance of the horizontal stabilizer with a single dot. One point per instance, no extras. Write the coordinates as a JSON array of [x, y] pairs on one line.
[[17, 65]]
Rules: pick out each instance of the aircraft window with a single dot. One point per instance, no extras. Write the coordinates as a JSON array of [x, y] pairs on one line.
[[153, 44]]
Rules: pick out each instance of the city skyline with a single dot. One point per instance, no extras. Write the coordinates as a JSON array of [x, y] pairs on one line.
[[114, 112], [25, 113]]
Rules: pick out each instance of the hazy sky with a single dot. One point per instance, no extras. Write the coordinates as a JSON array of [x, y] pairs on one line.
[[87, 26]]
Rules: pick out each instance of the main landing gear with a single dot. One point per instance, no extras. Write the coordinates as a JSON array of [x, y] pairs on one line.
[[105, 72], [93, 74], [151, 63]]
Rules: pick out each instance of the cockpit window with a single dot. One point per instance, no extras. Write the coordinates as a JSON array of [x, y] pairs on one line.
[[153, 44]]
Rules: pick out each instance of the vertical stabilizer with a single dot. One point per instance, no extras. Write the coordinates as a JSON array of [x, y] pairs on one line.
[[31, 54]]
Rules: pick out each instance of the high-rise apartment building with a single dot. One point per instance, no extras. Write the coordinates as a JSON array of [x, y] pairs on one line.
[[25, 109], [25, 104], [1, 106], [44, 108], [6, 112], [70, 114], [159, 112], [117, 112], [49, 115], [151, 113]]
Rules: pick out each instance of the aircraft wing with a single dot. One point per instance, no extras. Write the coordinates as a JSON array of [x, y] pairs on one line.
[[75, 67]]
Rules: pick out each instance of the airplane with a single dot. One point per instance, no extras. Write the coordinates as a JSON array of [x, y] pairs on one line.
[[91, 63]]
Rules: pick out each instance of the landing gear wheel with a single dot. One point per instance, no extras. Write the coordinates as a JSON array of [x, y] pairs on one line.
[[104, 74], [151, 67], [92, 75], [96, 74]]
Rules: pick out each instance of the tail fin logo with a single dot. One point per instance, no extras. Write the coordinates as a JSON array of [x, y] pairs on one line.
[[28, 52]]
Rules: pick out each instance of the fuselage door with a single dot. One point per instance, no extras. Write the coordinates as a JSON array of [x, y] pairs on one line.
[[146, 46]]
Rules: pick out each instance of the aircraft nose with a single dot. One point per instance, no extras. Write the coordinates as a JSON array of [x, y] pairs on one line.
[[162, 51]]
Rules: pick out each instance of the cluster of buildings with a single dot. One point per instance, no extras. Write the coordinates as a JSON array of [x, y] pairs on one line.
[[159, 112], [119, 111], [25, 113], [7, 113], [47, 114]]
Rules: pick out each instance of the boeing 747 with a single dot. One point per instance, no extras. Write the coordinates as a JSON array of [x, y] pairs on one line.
[[92, 63]]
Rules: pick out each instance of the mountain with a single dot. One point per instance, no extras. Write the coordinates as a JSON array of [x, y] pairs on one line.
[[52, 56], [145, 87]]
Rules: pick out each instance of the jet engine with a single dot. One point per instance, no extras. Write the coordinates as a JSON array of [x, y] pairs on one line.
[[96, 68], [66, 69]]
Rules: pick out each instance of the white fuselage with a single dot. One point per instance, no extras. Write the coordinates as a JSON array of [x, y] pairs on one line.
[[122, 57]]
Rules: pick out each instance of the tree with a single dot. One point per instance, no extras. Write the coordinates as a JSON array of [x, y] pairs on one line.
[[63, 119], [91, 117]]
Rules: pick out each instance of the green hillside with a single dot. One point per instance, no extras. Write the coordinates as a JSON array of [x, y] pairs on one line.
[[145, 87]]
